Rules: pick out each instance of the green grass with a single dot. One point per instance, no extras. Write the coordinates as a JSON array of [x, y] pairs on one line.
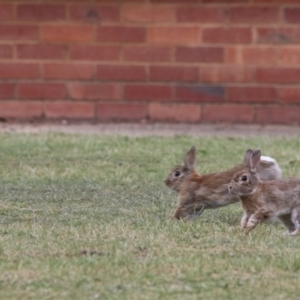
[[88, 217]]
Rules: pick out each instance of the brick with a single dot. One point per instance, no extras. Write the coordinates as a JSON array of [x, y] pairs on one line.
[[228, 113], [6, 51], [251, 94], [68, 71], [233, 54], [227, 1], [192, 14], [121, 34], [91, 91], [147, 53], [19, 71], [199, 93], [121, 72], [42, 51], [41, 12], [289, 94], [226, 74], [174, 35], [251, 54], [7, 90], [292, 15], [94, 13], [148, 14], [173, 73], [232, 35], [173, 1], [112, 1], [277, 35], [289, 56], [6, 12], [121, 112], [254, 15], [174, 112], [278, 75], [258, 55], [278, 115], [67, 33], [41, 91], [94, 52], [199, 54], [148, 92], [276, 1], [69, 110], [19, 32], [20, 109]]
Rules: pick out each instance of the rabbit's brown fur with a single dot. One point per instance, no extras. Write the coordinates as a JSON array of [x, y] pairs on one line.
[[262, 201], [197, 192]]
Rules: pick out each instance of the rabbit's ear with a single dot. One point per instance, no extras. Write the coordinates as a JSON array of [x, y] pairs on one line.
[[190, 158], [247, 156], [255, 159]]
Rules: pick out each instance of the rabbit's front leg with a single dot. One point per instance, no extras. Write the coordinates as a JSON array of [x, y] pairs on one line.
[[253, 221], [186, 212], [296, 220], [178, 212], [244, 220]]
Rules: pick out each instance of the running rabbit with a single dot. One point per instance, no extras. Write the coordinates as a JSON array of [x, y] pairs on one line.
[[198, 192], [262, 201]]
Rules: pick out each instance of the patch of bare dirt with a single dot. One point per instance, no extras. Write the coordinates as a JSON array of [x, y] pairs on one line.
[[148, 129]]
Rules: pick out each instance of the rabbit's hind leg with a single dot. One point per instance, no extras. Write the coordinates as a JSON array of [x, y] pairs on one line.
[[286, 220]]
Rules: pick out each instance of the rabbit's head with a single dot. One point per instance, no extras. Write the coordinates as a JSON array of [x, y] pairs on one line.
[[180, 173], [245, 181]]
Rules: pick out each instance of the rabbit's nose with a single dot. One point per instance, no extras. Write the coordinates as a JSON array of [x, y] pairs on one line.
[[229, 188]]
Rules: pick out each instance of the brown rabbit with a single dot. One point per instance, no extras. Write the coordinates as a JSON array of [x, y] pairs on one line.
[[198, 192], [262, 201]]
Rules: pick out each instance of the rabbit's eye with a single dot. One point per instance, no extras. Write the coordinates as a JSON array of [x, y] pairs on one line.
[[177, 173], [244, 178]]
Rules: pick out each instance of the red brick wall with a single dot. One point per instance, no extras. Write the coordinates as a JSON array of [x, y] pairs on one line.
[[157, 60]]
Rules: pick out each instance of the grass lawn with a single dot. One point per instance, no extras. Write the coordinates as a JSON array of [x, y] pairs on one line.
[[88, 217]]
